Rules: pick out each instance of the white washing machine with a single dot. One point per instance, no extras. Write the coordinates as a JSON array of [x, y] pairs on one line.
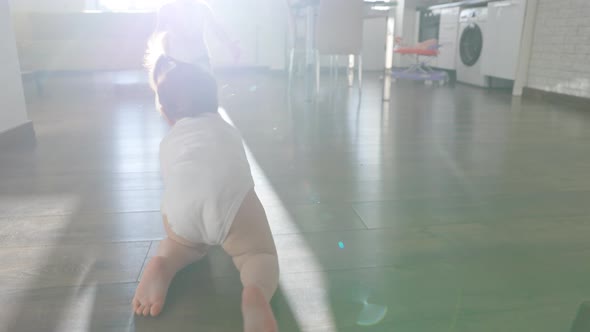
[[472, 25]]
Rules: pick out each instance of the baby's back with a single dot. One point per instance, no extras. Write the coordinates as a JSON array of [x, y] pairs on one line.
[[206, 176], [205, 146]]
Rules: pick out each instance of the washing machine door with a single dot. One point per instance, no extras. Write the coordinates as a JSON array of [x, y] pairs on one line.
[[470, 44]]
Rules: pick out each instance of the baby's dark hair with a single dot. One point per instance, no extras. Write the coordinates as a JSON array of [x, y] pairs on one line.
[[184, 90]]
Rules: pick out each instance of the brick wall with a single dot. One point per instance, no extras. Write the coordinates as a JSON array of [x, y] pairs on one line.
[[560, 59]]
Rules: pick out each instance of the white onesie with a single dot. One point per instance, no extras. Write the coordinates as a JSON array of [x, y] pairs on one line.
[[206, 177]]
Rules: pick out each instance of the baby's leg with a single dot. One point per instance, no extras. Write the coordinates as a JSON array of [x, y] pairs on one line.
[[171, 257], [252, 248]]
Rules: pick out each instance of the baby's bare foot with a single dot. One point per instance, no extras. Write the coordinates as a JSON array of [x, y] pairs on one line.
[[258, 316], [151, 293]]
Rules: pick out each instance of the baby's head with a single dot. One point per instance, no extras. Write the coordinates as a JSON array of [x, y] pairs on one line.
[[184, 90]]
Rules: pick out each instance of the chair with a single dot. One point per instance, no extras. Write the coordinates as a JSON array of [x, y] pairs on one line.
[[339, 31], [301, 18]]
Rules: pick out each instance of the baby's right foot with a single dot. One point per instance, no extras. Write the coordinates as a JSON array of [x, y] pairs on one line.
[[258, 316], [151, 293]]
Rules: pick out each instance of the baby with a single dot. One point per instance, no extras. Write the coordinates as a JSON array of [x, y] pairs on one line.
[[180, 33], [208, 197]]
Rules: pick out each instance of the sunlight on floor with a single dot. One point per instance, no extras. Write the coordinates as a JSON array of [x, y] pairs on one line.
[[316, 307]]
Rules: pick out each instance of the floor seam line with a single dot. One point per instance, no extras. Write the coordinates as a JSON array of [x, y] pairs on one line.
[[144, 260]]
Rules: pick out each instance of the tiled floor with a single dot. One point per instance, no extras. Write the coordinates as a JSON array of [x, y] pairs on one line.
[[449, 209]]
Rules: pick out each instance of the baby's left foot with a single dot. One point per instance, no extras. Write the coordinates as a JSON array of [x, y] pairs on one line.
[[151, 293]]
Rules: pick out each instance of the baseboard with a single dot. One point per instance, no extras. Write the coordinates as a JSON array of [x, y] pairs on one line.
[[19, 138], [554, 97], [240, 69]]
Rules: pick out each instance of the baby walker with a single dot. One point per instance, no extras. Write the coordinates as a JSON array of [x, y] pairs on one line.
[[420, 70]]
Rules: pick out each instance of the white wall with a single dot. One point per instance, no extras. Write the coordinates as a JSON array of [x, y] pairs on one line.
[[259, 25], [409, 32], [399, 29], [561, 48], [48, 5], [12, 102], [274, 33], [405, 27]]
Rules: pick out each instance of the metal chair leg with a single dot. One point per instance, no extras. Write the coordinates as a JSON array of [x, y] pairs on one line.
[[317, 72], [350, 70], [360, 74], [291, 67], [336, 68], [331, 67]]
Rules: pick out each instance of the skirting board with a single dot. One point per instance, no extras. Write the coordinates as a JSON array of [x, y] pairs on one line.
[[558, 98], [18, 138]]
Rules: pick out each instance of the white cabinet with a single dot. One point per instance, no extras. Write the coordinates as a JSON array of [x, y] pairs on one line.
[[502, 38], [374, 35], [449, 16], [447, 38]]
